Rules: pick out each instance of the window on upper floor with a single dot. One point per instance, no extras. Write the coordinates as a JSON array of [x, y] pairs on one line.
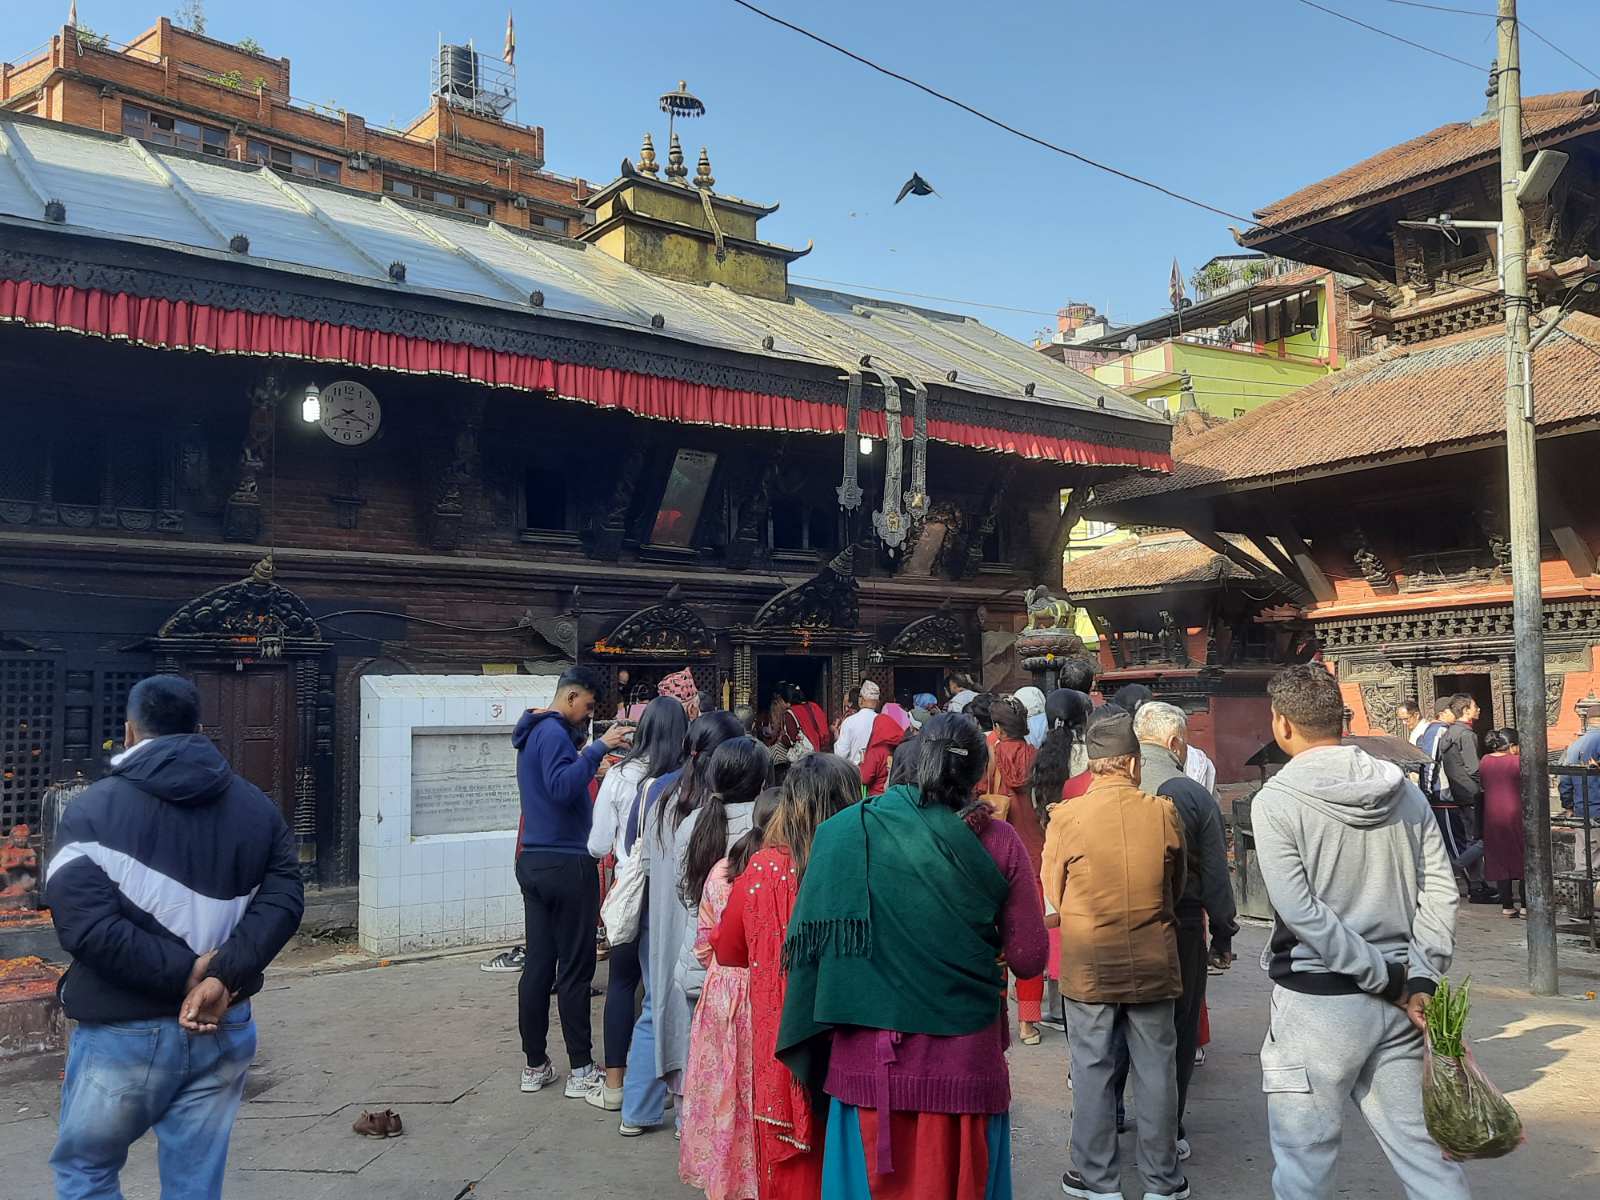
[[798, 524], [553, 224], [293, 162], [444, 198], [166, 130]]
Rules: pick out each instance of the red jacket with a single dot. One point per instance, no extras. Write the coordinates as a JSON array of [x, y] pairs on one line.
[[886, 735]]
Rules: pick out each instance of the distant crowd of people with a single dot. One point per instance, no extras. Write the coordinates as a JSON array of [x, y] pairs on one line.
[[816, 932]]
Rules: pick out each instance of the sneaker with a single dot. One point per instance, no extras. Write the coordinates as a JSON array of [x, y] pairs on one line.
[[507, 960], [536, 1079], [627, 1130], [607, 1098], [1184, 1149], [1181, 1194], [584, 1080], [1200, 1056], [385, 1124], [1073, 1185]]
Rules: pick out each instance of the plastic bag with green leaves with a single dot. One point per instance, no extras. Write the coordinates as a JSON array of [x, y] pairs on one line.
[[1465, 1113]]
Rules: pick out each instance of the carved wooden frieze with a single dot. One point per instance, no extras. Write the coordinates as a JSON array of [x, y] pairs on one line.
[[671, 629], [829, 600], [937, 635], [254, 616]]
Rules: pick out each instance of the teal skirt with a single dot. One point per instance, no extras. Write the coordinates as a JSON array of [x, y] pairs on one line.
[[935, 1156]]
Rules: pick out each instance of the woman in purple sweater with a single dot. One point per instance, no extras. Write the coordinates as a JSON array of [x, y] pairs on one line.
[[912, 905]]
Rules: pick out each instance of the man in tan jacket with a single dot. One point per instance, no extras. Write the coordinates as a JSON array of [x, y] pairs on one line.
[[1114, 869]]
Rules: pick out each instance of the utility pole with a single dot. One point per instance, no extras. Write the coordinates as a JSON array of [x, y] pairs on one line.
[[1523, 508]]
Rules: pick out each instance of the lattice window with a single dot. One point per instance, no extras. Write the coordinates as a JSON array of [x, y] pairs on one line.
[[113, 703], [135, 459], [27, 736]]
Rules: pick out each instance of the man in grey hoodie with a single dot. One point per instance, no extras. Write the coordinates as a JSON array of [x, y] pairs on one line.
[[1366, 907]]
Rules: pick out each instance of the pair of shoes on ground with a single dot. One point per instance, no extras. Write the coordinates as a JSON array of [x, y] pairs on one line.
[[507, 960], [385, 1124], [1072, 1184]]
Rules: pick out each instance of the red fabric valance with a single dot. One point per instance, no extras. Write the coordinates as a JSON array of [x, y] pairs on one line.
[[180, 325]]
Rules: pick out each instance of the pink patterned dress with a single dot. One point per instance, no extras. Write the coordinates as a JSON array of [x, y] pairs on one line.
[[718, 1150]]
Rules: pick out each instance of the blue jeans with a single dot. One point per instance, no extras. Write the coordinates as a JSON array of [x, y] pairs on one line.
[[129, 1077], [644, 1095]]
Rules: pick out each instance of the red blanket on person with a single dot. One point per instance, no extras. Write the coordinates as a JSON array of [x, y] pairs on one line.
[[814, 724], [751, 934]]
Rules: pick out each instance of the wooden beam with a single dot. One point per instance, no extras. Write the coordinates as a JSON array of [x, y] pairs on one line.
[[1295, 545], [1262, 541], [1221, 545], [1573, 545], [1050, 564]]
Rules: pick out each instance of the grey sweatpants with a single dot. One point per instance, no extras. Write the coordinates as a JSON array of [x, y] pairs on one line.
[[1152, 1049], [1321, 1051]]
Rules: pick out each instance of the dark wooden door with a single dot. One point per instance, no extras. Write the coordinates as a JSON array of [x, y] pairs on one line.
[[250, 716]]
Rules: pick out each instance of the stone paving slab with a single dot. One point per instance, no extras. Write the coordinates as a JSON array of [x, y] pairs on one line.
[[436, 1039]]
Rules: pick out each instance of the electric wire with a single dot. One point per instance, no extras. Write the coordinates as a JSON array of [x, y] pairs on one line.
[[1387, 268], [1478, 12], [1333, 12]]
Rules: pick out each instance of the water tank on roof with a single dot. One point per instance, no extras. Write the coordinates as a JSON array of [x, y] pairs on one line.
[[458, 73]]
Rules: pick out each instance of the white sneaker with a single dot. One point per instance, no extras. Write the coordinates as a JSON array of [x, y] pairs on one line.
[[627, 1130], [607, 1098], [536, 1079], [1184, 1150], [583, 1081]]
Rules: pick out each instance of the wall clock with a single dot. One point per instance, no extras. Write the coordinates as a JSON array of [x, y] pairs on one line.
[[350, 413]]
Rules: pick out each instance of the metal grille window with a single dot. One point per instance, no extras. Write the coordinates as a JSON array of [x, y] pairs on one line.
[[27, 736], [165, 130]]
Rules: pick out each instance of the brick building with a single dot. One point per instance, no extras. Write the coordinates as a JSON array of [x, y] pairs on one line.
[[280, 435], [173, 87]]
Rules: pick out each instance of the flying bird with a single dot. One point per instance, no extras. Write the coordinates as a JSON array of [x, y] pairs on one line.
[[915, 186]]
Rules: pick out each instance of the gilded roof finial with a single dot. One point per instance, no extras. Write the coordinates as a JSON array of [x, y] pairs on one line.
[[702, 172], [647, 158], [675, 168]]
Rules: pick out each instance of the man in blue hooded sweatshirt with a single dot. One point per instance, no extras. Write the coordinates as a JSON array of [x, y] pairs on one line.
[[560, 886]]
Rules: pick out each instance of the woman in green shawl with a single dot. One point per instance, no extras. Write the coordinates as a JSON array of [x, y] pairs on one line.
[[911, 904]]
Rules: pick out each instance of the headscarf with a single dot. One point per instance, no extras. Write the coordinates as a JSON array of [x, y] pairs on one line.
[[925, 700], [899, 715], [1032, 700], [680, 685]]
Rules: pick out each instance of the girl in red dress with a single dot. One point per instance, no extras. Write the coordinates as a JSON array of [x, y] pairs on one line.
[[751, 934]]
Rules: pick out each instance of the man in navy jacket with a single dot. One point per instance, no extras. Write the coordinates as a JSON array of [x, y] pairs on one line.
[[173, 885], [559, 882]]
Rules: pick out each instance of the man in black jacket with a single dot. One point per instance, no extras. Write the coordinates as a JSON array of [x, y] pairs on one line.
[[1163, 733], [173, 885], [1457, 751]]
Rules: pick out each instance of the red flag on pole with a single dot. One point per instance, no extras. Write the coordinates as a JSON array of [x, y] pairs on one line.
[[1175, 288], [510, 54]]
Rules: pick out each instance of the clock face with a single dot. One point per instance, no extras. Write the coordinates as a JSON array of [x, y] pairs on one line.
[[350, 412]]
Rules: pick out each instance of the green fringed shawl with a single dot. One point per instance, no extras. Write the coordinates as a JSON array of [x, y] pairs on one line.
[[896, 927]]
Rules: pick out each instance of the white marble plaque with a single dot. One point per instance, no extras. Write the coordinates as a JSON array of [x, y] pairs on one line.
[[463, 781]]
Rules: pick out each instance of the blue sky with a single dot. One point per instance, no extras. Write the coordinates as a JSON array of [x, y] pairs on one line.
[[1236, 104]]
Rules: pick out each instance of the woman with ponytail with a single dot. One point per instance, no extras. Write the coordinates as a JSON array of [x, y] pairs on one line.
[[917, 884], [661, 1034], [718, 1151], [788, 1137]]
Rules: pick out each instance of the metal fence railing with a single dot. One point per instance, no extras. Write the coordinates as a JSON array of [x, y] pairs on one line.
[[1580, 816]]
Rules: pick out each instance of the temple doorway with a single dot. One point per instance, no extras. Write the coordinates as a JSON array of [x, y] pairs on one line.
[[910, 682], [812, 673], [1480, 687]]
